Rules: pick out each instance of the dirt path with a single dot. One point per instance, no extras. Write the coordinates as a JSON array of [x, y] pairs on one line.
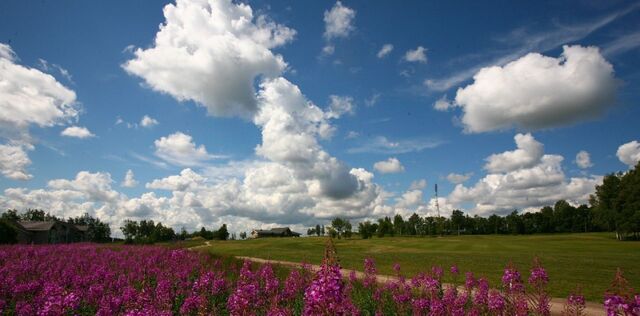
[[557, 304]]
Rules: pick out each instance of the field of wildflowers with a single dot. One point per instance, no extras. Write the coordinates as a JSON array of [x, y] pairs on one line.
[[87, 279]]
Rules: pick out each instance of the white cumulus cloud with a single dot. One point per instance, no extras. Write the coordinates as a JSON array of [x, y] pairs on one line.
[[529, 153], [629, 153], [180, 150], [537, 92], [211, 52], [129, 181], [391, 165], [148, 121], [340, 105], [583, 160], [338, 22], [77, 132], [28, 97], [14, 161], [525, 179]]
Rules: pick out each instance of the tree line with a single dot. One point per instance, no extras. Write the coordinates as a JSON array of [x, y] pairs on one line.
[[148, 232], [614, 207]]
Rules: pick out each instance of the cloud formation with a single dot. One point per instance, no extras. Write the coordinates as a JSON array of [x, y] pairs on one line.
[[384, 50], [418, 55], [382, 145], [77, 132], [538, 92], [210, 53], [129, 181], [14, 161], [529, 153], [148, 121], [629, 153], [391, 165], [28, 97], [457, 178], [583, 160], [180, 150], [338, 22], [525, 179]]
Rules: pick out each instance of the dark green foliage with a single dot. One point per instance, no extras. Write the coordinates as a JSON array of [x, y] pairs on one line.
[[146, 232], [97, 232], [367, 229], [616, 204], [8, 233], [342, 227]]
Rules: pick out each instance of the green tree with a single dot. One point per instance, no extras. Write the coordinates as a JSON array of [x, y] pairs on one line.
[[398, 225], [10, 215], [318, 230], [457, 219], [339, 225], [222, 233]]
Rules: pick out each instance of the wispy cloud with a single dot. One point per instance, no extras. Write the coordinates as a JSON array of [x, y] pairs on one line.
[[382, 145], [531, 42], [622, 44], [149, 160]]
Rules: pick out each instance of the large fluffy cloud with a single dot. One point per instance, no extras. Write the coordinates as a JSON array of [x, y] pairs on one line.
[[27, 97], [211, 52], [536, 91], [629, 153], [523, 179]]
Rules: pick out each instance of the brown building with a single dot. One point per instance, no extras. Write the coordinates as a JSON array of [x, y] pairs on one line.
[[274, 232], [49, 232]]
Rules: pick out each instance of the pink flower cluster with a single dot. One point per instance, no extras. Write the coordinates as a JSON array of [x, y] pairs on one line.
[[86, 279]]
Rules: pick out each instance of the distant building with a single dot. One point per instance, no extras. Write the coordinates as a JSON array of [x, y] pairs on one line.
[[49, 232], [274, 232]]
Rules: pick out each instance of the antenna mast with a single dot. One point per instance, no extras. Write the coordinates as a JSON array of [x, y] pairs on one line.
[[437, 204]]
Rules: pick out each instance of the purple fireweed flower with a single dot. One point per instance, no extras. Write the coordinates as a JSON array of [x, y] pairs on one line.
[[454, 270], [370, 273], [420, 306], [326, 294], [496, 302], [538, 276], [437, 307], [437, 272], [396, 268], [480, 297], [511, 280], [470, 281], [353, 278]]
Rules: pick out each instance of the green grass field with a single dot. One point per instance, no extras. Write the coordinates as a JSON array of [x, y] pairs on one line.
[[589, 260]]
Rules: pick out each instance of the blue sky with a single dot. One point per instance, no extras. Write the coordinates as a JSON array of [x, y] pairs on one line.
[[272, 113]]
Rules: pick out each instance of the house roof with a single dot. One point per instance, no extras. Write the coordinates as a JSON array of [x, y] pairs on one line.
[[276, 231], [37, 225]]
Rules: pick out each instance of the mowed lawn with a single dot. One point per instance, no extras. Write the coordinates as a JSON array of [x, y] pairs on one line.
[[589, 260]]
